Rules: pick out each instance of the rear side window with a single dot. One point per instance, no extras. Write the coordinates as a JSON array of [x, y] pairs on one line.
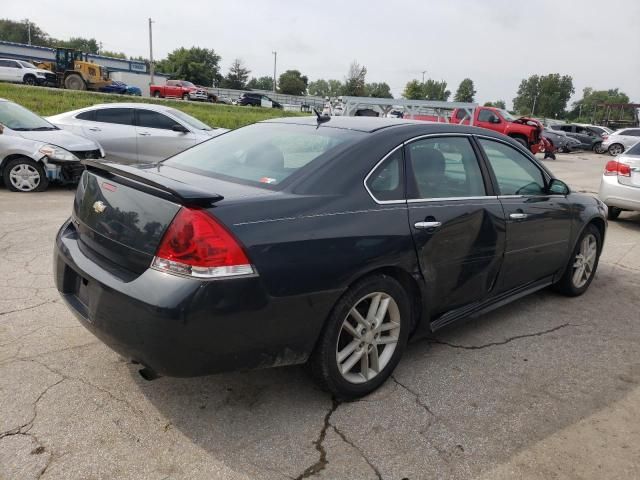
[[515, 173], [635, 150], [633, 132], [88, 115], [263, 153], [445, 167], [385, 182], [486, 116], [151, 119], [120, 116]]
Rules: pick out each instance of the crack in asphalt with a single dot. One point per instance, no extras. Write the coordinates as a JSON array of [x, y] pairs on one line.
[[321, 463], [28, 308], [416, 395], [504, 342], [359, 450]]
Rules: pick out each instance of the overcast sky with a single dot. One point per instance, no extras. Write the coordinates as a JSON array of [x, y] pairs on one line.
[[496, 43]]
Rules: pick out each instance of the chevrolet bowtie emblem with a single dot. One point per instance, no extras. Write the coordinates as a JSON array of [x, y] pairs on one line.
[[99, 207]]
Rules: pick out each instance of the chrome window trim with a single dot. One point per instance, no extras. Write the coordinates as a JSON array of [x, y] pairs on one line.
[[382, 202], [445, 199]]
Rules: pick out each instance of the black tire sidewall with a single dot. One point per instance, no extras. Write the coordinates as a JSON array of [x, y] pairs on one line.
[[44, 181], [522, 142], [325, 356]]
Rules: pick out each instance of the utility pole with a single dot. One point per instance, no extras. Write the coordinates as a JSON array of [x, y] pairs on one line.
[[151, 66], [28, 32], [533, 109], [275, 58], [423, 72]]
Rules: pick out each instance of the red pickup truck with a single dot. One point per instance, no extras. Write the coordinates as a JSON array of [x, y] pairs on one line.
[[179, 89], [525, 130]]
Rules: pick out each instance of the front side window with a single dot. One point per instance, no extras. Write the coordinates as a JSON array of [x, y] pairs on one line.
[[385, 182], [445, 167], [262, 154], [120, 116], [151, 119], [515, 173]]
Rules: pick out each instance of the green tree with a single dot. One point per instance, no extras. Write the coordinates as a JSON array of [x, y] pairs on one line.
[[262, 83], [107, 53], [413, 90], [466, 91], [197, 65], [589, 108], [292, 82], [18, 32], [237, 76], [378, 90], [434, 90], [336, 88], [319, 88], [550, 93], [356, 80], [496, 104], [87, 45]]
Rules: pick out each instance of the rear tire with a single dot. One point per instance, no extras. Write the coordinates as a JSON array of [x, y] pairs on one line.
[[582, 264], [615, 149], [156, 94], [374, 314], [74, 82], [597, 147], [613, 213], [24, 175]]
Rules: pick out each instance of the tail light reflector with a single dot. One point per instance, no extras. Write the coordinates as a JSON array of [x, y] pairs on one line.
[[196, 245], [617, 168]]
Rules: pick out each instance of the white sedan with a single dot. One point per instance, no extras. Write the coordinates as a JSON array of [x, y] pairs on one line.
[[137, 132], [620, 184]]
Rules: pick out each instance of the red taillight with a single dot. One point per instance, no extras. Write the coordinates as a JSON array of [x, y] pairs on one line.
[[195, 244], [604, 137], [617, 168]]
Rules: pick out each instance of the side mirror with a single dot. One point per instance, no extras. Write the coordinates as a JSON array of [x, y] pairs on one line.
[[558, 187], [180, 128]]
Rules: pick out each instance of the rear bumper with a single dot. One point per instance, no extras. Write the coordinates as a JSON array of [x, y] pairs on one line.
[[184, 327], [614, 194]]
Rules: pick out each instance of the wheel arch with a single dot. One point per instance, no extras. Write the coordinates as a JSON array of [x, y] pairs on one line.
[[14, 156]]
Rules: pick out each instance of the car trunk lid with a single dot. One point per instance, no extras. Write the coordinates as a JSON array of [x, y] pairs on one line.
[[633, 177]]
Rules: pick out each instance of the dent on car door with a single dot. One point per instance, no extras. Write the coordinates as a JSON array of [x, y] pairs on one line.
[[457, 223], [538, 223], [156, 139]]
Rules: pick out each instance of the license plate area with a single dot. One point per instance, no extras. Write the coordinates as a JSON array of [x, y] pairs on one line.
[[76, 290]]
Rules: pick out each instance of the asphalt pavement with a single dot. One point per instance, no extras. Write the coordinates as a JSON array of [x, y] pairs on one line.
[[546, 387]]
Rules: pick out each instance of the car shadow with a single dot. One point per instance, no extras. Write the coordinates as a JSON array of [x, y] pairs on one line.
[[494, 386]]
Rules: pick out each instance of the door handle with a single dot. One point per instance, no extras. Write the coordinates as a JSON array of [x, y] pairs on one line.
[[518, 216], [95, 129], [426, 225], [144, 134]]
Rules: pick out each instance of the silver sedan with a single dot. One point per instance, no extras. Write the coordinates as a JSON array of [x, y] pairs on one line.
[[620, 184], [620, 140], [137, 132]]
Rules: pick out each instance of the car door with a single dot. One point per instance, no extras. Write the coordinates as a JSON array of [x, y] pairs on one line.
[[538, 224], [585, 136], [456, 220], [156, 138], [5, 71], [10, 71], [114, 129], [489, 119]]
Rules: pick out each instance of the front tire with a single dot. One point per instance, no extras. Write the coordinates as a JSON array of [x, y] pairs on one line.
[[583, 263], [185, 97], [363, 338], [522, 142], [25, 175], [29, 80]]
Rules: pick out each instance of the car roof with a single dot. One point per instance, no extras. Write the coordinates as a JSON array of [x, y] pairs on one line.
[[149, 106]]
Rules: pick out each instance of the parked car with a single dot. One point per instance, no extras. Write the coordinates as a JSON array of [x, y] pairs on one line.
[[620, 140], [137, 132], [561, 141], [590, 138], [620, 184], [34, 152], [330, 240], [121, 88], [19, 71], [257, 100], [224, 99], [178, 89]]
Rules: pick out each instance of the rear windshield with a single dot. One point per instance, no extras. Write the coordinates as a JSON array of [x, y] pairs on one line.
[[262, 153]]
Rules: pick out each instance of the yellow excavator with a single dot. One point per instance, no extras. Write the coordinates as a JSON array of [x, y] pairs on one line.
[[75, 71]]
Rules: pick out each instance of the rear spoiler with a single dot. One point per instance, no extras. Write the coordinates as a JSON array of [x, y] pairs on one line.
[[162, 186]]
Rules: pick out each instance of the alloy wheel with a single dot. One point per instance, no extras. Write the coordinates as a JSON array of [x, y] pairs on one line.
[[24, 177], [585, 260], [368, 337], [616, 149]]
